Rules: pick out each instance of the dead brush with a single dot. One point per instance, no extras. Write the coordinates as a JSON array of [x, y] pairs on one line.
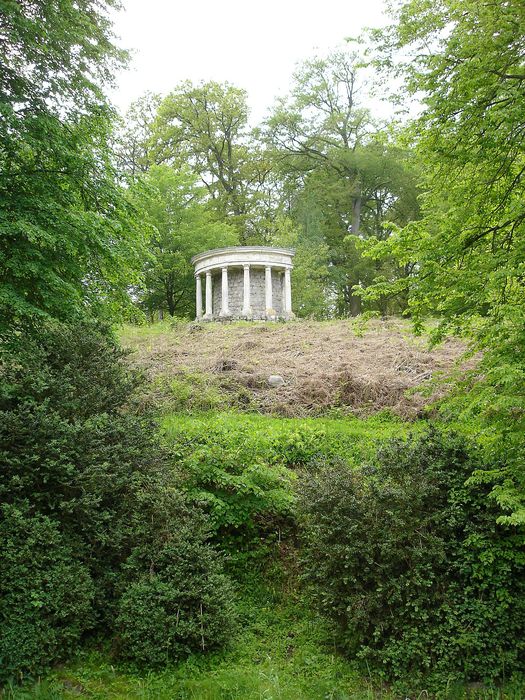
[[325, 365]]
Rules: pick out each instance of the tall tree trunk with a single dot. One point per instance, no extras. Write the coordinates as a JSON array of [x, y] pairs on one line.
[[171, 303], [356, 214], [170, 295], [354, 301], [355, 305]]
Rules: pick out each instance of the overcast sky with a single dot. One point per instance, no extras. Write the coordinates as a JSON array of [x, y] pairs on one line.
[[254, 45]]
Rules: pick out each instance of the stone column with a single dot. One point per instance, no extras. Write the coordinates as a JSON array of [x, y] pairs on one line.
[[270, 313], [246, 300], [224, 293], [209, 305], [287, 292], [198, 285]]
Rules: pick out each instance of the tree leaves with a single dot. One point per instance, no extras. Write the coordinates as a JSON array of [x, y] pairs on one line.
[[69, 237], [464, 60]]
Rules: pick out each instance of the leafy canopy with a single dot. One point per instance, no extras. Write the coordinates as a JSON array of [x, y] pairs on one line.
[[69, 239], [183, 226], [340, 168], [465, 61]]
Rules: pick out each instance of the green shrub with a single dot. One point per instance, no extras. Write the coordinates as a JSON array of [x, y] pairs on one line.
[[46, 595], [89, 474], [182, 603], [75, 370], [248, 496], [195, 391], [408, 560], [299, 446], [100, 480]]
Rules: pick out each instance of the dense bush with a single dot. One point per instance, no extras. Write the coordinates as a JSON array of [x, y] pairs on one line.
[[91, 480], [408, 560], [46, 594], [180, 603], [76, 370]]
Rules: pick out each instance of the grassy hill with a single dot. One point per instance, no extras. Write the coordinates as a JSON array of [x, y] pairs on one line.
[[238, 445]]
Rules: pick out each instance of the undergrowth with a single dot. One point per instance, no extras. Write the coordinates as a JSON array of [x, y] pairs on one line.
[[283, 651], [295, 439], [242, 468]]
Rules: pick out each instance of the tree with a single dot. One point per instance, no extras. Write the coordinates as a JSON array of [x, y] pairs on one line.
[[183, 226], [55, 55], [310, 275], [465, 61], [134, 147], [69, 239], [329, 146], [321, 119], [205, 126]]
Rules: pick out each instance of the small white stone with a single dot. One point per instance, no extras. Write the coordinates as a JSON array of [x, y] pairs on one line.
[[275, 380]]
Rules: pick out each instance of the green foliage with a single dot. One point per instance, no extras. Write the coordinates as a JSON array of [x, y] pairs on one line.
[[280, 647], [134, 139], [241, 468], [299, 446], [195, 392], [51, 52], [407, 559], [74, 371], [310, 274], [269, 438], [246, 491], [206, 125], [343, 174], [283, 650], [46, 594], [183, 226], [180, 603], [92, 481], [69, 238], [463, 60]]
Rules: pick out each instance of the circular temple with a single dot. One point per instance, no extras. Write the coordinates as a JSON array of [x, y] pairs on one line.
[[251, 282]]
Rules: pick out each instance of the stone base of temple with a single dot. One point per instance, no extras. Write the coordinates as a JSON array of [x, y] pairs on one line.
[[227, 319]]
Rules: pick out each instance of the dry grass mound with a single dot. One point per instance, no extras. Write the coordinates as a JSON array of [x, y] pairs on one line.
[[324, 365]]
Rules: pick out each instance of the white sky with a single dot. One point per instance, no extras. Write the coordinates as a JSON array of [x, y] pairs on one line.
[[253, 45]]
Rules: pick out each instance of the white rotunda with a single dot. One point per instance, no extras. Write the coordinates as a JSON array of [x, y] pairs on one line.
[[251, 282]]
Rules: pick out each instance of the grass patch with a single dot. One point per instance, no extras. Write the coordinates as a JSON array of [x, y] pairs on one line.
[[349, 438], [283, 652]]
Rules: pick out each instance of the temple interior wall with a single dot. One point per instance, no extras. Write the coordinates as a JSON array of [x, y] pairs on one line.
[[257, 291]]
